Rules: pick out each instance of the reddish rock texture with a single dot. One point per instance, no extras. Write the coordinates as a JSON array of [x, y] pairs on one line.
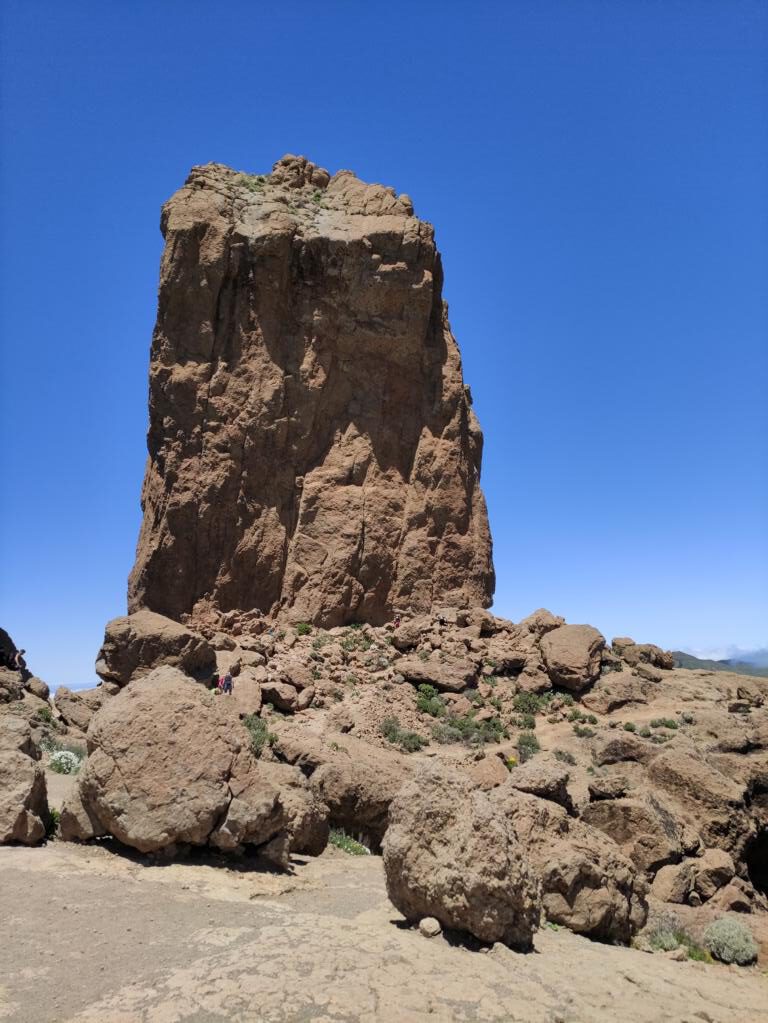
[[312, 446]]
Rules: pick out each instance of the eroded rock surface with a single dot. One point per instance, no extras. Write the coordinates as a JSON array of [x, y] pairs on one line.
[[450, 854], [312, 445]]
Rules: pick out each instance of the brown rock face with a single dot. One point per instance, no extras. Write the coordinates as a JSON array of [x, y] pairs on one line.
[[449, 853], [312, 445]]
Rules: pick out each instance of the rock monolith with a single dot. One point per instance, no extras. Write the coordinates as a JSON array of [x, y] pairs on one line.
[[312, 445]]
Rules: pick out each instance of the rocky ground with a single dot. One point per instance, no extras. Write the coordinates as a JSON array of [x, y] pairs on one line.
[[530, 787], [89, 934]]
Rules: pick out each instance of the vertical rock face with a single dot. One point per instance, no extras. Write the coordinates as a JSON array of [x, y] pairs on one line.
[[312, 445]]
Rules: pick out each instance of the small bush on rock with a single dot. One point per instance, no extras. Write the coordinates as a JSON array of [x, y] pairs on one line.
[[583, 731], [259, 733], [529, 703], [731, 941], [527, 746], [630, 726], [565, 757], [428, 701], [411, 742], [303, 629]]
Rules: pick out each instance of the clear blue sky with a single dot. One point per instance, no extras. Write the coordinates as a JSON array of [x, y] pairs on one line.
[[596, 172]]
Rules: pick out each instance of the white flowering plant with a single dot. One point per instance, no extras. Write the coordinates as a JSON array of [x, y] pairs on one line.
[[64, 761]]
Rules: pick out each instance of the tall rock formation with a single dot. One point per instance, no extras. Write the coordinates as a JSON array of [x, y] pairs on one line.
[[312, 445]]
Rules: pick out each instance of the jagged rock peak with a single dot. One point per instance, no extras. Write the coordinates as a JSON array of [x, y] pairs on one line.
[[312, 446]]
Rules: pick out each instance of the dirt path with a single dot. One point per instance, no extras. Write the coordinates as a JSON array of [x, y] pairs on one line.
[[91, 936]]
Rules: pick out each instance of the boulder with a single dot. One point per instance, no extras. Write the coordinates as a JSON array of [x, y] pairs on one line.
[[137, 643], [488, 772], [545, 779], [38, 688], [409, 633], [714, 870], [16, 734], [308, 816], [78, 707], [615, 690], [587, 884], [571, 655], [704, 797], [449, 853], [674, 882], [642, 653], [357, 781], [607, 787], [23, 796], [507, 654], [281, 695], [623, 747], [168, 765], [447, 674], [11, 685], [541, 622], [642, 827]]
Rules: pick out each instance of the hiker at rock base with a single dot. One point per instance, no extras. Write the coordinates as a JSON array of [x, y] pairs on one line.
[[227, 684], [396, 622]]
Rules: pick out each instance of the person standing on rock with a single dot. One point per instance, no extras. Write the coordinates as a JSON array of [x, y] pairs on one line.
[[227, 685], [18, 660], [396, 622]]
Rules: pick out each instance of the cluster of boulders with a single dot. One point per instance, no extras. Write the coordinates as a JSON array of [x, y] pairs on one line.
[[606, 816]]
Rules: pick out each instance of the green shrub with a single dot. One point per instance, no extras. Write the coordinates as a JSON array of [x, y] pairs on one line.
[[583, 731], [411, 742], [527, 746], [354, 639], [527, 703], [630, 726], [446, 734], [566, 699], [429, 701], [564, 757], [259, 733], [645, 732], [52, 822], [303, 629], [664, 723], [731, 941], [45, 714], [575, 715], [591, 719], [469, 730], [668, 933], [339, 838]]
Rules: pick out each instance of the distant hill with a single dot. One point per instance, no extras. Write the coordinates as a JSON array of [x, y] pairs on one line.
[[683, 660]]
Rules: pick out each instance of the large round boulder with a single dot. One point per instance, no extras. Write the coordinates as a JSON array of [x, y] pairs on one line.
[[572, 655], [137, 643], [449, 853], [169, 763]]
